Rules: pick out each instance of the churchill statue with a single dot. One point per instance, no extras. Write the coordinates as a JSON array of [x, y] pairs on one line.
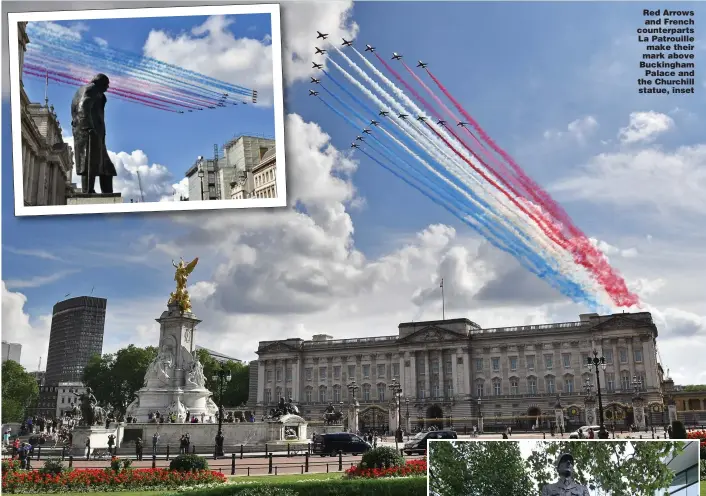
[[566, 485], [88, 127]]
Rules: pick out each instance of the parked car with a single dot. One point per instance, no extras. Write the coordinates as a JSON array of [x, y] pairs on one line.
[[346, 442], [418, 443], [584, 432]]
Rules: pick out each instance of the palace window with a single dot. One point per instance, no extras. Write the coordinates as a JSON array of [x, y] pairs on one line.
[[279, 374], [549, 362], [625, 382], [308, 373], [420, 389], [479, 389], [479, 364], [269, 376], [421, 368], [623, 355], [322, 394], [381, 371], [366, 371], [381, 392], [569, 385], [351, 372], [608, 354], [530, 362], [449, 386], [497, 388], [289, 393], [322, 373], [336, 394], [550, 385], [566, 358], [638, 355], [337, 373], [610, 382], [289, 373], [435, 390], [278, 393], [366, 391], [513, 363], [514, 386], [268, 396], [448, 367], [496, 364], [308, 394], [396, 370], [435, 367]]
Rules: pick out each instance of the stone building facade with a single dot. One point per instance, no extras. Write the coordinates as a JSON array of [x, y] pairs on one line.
[[47, 162], [453, 372]]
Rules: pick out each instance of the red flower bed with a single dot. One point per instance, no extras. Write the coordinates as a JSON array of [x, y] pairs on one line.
[[96, 480], [698, 435], [410, 469]]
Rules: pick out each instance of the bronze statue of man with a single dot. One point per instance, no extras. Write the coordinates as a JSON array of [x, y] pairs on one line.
[[566, 485], [88, 127]]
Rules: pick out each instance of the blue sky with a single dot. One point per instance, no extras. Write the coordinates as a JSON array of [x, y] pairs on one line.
[[369, 251], [175, 139]]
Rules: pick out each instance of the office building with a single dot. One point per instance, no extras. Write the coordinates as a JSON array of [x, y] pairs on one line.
[[685, 466], [11, 351], [219, 357]]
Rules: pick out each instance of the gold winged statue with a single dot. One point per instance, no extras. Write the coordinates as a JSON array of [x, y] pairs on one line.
[[181, 296]]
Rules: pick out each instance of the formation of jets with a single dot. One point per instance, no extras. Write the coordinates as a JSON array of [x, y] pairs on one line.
[[315, 81], [369, 48], [321, 35], [346, 42], [316, 66], [313, 93], [396, 56], [319, 51]]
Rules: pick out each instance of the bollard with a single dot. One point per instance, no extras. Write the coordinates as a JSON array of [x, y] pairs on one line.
[[215, 452], [193, 449], [270, 464], [340, 460], [248, 471], [401, 452], [39, 452], [63, 453], [232, 464], [241, 451], [275, 470], [167, 452], [544, 435], [308, 447], [71, 461], [306, 462], [154, 461], [266, 451], [288, 449], [327, 468]]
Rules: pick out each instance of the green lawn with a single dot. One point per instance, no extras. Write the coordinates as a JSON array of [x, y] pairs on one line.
[[703, 488]]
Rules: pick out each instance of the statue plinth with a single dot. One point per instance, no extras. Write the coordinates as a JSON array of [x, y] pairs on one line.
[[94, 199]]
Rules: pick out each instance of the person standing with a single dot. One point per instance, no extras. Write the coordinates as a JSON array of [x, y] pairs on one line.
[[88, 448], [155, 440], [138, 449]]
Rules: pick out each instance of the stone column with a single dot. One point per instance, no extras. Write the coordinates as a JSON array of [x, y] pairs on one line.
[[427, 377], [353, 410], [454, 374], [441, 373], [329, 378], [413, 374], [616, 366], [650, 368], [404, 375], [392, 416], [374, 377], [295, 380], [261, 381], [631, 360], [467, 372]]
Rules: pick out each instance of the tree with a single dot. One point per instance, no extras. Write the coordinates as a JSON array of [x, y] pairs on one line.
[[617, 467], [477, 468], [694, 388], [236, 391], [115, 378], [19, 391]]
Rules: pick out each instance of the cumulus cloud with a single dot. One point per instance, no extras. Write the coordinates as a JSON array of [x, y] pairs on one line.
[[665, 181], [100, 41], [610, 250], [19, 327], [579, 129], [644, 127]]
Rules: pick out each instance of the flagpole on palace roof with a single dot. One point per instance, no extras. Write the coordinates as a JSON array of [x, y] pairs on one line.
[[443, 303]]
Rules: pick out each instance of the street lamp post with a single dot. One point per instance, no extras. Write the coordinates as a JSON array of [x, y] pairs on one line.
[[406, 401], [221, 377], [480, 415], [596, 363], [396, 389], [352, 388], [201, 174]]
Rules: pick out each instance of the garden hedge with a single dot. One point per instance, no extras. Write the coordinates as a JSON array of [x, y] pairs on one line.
[[404, 486]]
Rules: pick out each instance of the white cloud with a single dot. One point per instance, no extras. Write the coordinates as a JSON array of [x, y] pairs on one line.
[[137, 177], [661, 180], [579, 129], [37, 281], [644, 127], [18, 327], [100, 41], [610, 250], [211, 49]]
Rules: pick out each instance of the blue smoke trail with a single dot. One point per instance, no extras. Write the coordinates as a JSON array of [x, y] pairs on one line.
[[345, 105], [343, 88]]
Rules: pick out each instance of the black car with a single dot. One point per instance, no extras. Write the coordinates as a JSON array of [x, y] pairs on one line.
[[418, 443], [331, 444]]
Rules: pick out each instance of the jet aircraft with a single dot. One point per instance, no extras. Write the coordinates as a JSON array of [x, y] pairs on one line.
[[396, 56], [359, 138], [462, 124], [315, 81], [313, 93], [369, 48], [374, 123], [346, 42], [441, 123], [353, 145], [366, 131], [319, 51], [383, 113], [422, 64], [421, 118], [181, 111], [403, 116], [323, 36], [316, 66]]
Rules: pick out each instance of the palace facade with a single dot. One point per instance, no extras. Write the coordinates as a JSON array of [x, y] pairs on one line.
[[453, 372]]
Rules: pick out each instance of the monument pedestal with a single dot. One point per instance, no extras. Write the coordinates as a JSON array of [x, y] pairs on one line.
[[94, 199], [98, 436]]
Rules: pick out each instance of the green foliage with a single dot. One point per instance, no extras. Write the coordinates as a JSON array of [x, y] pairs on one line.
[[382, 457], [53, 466], [694, 388], [236, 391], [617, 467], [10, 466], [477, 469], [114, 378], [19, 391], [405, 486], [188, 463], [678, 430]]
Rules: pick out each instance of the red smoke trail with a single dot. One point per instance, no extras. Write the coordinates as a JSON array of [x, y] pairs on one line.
[[584, 253], [72, 81]]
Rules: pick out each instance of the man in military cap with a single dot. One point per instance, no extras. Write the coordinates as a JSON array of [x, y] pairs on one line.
[[566, 485]]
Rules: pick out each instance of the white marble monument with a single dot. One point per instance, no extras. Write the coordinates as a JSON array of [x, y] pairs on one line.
[[174, 382]]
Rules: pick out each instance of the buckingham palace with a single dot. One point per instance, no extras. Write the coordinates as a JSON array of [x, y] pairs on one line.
[[454, 372]]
